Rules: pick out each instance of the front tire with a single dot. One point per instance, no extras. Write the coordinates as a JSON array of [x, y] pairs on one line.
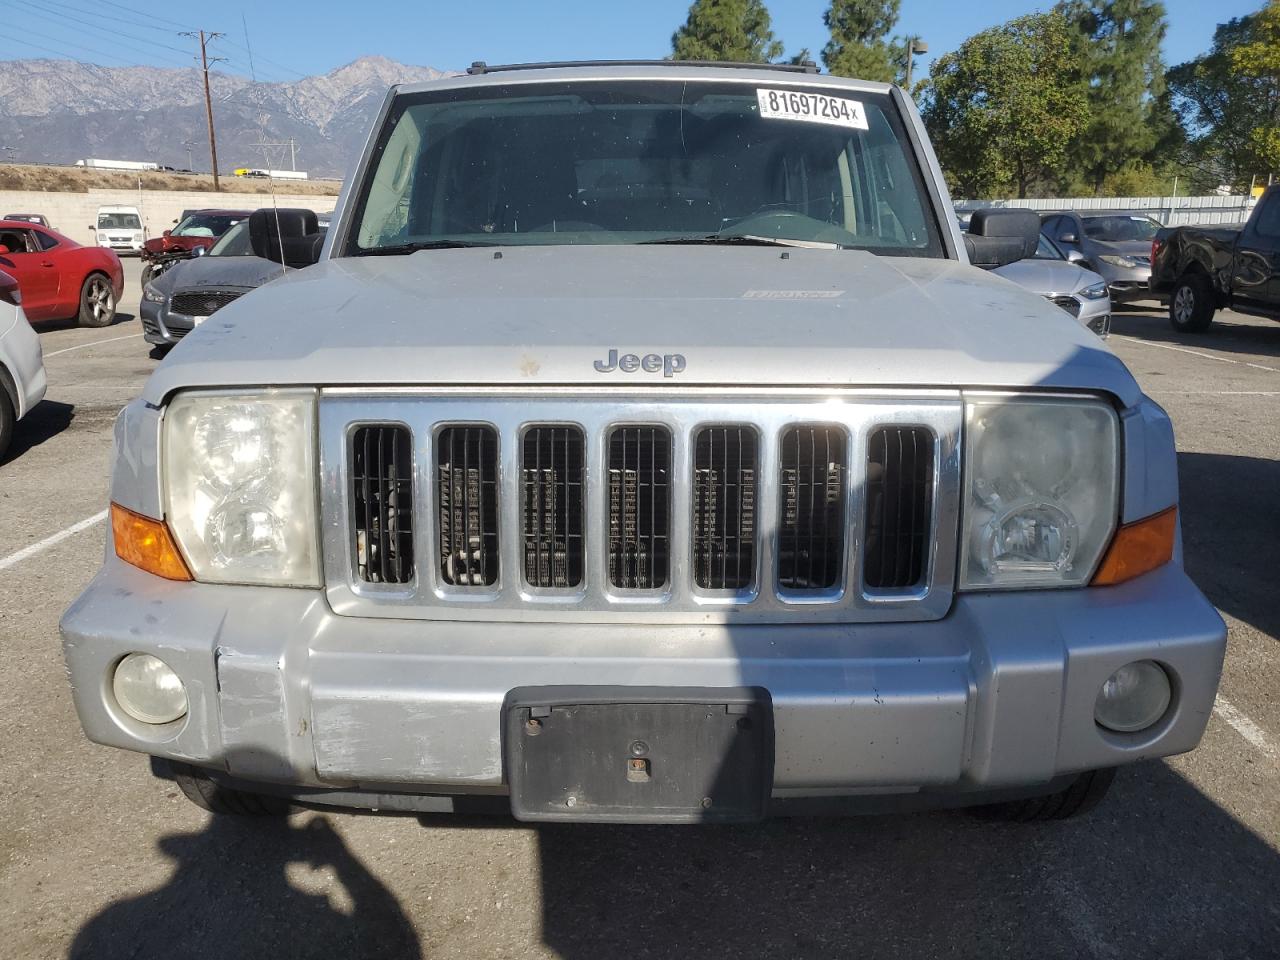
[[97, 301], [1084, 793], [1191, 305], [207, 794]]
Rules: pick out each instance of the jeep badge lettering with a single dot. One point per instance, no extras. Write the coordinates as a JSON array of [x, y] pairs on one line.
[[669, 363]]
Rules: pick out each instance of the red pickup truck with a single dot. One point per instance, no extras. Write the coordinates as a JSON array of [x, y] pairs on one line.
[[201, 228]]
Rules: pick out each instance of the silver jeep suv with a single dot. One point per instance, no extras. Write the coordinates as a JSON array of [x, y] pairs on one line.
[[646, 445]]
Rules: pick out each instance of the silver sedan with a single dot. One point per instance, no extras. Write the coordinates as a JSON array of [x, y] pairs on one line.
[[1058, 277]]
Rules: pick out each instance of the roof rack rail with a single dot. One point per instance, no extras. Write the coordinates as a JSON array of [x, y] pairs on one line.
[[480, 67]]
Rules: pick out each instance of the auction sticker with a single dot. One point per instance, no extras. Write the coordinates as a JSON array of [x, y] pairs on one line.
[[811, 108]]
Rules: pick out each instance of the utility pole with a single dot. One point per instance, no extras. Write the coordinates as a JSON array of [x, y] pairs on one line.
[[204, 39], [190, 163]]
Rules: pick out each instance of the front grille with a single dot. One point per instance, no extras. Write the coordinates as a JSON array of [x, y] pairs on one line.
[[899, 499], [1069, 304], [201, 303], [724, 507], [552, 478], [467, 505], [811, 507], [639, 506], [750, 507], [382, 503]]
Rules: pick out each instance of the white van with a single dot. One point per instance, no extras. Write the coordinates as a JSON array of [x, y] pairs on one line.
[[120, 229]]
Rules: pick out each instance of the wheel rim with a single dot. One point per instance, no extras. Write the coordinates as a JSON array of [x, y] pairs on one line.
[[1184, 302], [100, 300]]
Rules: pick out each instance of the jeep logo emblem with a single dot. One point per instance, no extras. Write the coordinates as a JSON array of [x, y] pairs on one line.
[[669, 363]]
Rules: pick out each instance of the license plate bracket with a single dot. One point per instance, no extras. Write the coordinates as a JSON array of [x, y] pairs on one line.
[[639, 755]]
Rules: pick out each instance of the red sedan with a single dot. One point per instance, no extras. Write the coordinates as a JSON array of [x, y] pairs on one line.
[[59, 278]]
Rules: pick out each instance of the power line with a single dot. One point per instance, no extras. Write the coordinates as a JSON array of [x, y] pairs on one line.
[[147, 15], [76, 46], [60, 54], [62, 17], [110, 18]]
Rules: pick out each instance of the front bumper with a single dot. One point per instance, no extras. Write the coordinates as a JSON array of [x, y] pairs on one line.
[[999, 694], [160, 325], [22, 357]]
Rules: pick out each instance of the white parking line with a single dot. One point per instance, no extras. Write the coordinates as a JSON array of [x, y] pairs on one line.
[[27, 552], [1196, 353], [91, 343], [1245, 727]]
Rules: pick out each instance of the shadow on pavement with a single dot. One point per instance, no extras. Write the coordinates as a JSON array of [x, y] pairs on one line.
[[45, 421], [1229, 333], [1230, 516], [230, 897], [72, 323], [1159, 870]]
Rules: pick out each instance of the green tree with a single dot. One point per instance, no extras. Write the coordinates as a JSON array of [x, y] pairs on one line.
[[1229, 99], [1117, 47], [1002, 109], [858, 46], [737, 30]]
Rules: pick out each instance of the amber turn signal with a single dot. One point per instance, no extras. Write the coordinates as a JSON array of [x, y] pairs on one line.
[[1138, 548], [146, 544]]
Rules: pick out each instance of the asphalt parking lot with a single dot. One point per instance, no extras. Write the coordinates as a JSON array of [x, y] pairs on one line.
[[98, 859]]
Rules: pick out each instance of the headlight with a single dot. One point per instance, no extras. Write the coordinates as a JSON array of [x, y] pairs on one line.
[[1041, 489], [1095, 292], [152, 295], [240, 481], [1118, 261]]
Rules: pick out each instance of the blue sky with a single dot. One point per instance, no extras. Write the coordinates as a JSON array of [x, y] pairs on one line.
[[294, 37]]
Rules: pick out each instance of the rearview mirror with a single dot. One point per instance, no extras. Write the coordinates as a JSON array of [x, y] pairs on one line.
[[999, 237], [1068, 238], [199, 251], [288, 236]]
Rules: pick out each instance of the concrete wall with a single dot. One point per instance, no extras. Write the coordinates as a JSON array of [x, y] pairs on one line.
[[72, 213]]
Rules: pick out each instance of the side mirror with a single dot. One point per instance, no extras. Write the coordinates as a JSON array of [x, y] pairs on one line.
[[3, 249], [999, 237], [1075, 256], [166, 233], [288, 236], [199, 251], [1068, 238]]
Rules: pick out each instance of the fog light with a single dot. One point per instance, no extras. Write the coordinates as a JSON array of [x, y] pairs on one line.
[[1133, 698], [148, 690]]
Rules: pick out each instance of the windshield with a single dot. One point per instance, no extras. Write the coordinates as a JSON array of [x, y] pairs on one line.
[[119, 221], [205, 225], [637, 161], [1123, 227], [234, 243], [1046, 249]]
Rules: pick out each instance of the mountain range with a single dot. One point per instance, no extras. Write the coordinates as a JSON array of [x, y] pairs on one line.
[[60, 111]]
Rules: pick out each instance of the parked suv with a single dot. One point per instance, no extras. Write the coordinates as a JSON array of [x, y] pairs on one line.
[[1116, 245], [645, 446]]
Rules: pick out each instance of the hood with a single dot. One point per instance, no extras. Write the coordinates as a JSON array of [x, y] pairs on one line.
[[1048, 278], [244, 272], [548, 316], [1140, 249]]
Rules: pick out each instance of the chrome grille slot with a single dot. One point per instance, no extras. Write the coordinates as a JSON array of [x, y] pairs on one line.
[[381, 470], [724, 507], [899, 496], [552, 476], [639, 507], [467, 505], [1067, 303], [811, 498]]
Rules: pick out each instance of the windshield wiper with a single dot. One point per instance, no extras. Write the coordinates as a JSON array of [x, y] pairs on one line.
[[413, 246], [748, 239]]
